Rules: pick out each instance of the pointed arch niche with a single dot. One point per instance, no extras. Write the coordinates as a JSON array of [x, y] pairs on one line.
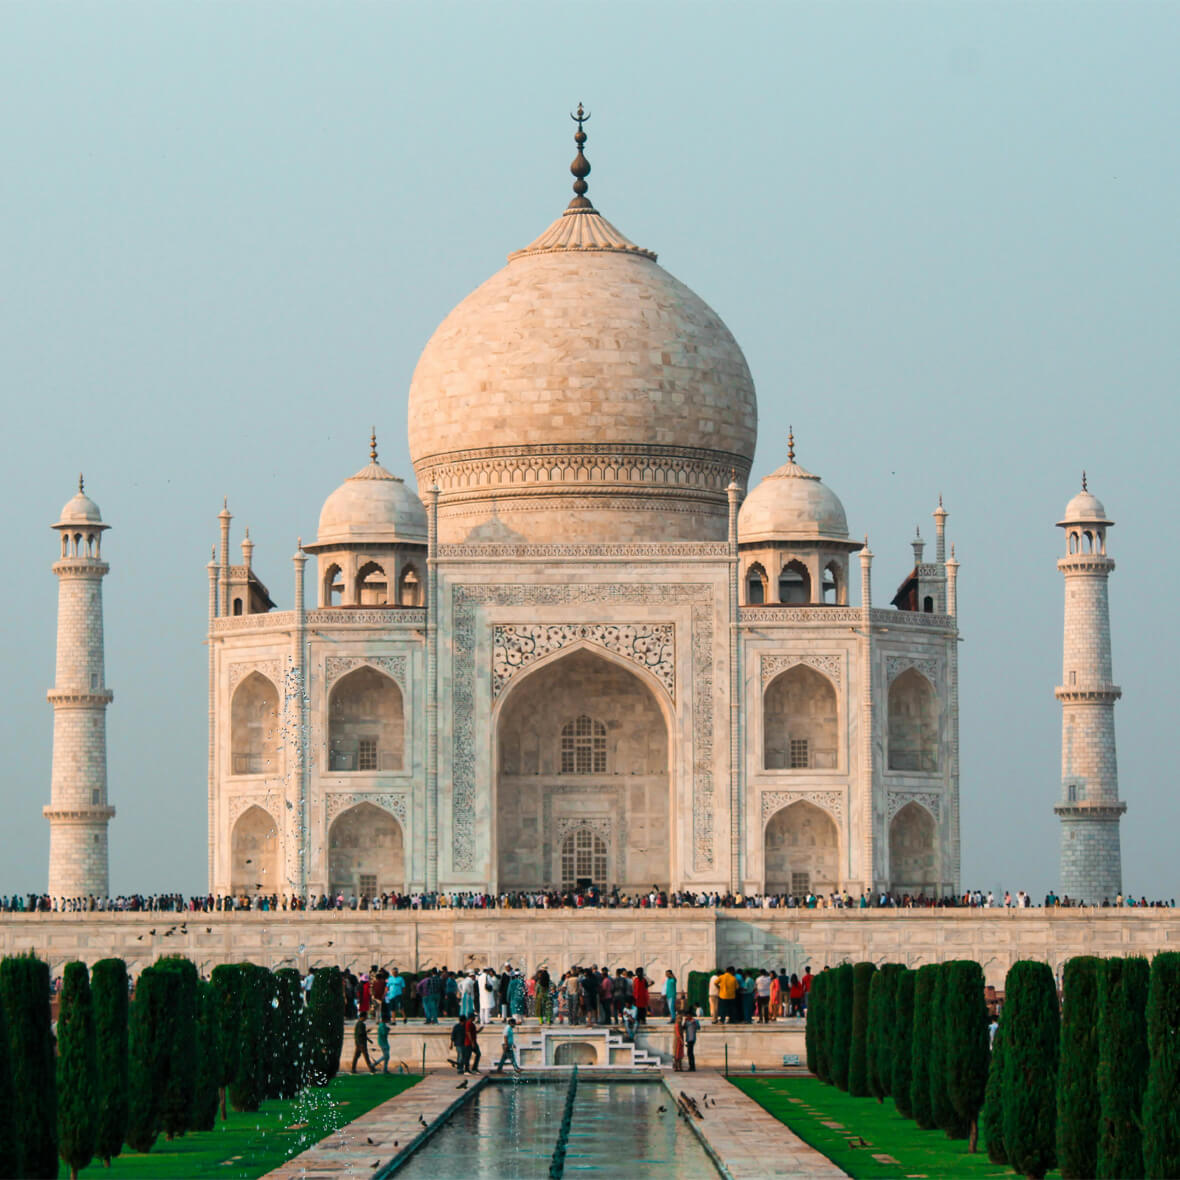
[[255, 746], [913, 723], [366, 853], [366, 723], [582, 742], [913, 851], [801, 851], [800, 723], [254, 853]]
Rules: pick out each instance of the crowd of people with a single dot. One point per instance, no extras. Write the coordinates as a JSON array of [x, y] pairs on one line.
[[552, 899]]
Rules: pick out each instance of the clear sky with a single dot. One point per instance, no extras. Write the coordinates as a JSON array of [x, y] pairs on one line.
[[944, 234]]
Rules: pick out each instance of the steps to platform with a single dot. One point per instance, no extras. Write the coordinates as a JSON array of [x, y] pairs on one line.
[[593, 1046]]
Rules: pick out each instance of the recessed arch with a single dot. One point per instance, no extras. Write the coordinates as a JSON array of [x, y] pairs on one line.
[[372, 586], [834, 590], [801, 851], [913, 723], [409, 587], [628, 805], [756, 585], [332, 589], [794, 583], [254, 853], [913, 856], [800, 722], [366, 723], [366, 852], [255, 745]]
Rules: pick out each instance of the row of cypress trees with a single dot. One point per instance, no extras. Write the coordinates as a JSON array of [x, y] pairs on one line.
[[1089, 1084], [918, 1037], [1095, 1088], [165, 1062]]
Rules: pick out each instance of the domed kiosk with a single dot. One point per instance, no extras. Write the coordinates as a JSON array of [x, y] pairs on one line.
[[583, 393], [575, 661]]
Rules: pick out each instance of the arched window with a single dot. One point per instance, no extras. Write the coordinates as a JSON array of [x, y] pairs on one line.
[[928, 605], [333, 589], [254, 853], [409, 588], [372, 585], [913, 723], [366, 853], [366, 725], [801, 851], [913, 864], [799, 721], [794, 584], [583, 746], [237, 606], [831, 583], [1087, 542], [254, 727], [583, 860], [755, 586]]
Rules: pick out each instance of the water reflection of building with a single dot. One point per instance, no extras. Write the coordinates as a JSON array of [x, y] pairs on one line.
[[578, 653]]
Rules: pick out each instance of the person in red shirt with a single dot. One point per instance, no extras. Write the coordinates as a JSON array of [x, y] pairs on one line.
[[640, 995], [806, 981]]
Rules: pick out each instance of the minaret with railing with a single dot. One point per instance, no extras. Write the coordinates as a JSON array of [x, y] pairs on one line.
[[1089, 807], [79, 863]]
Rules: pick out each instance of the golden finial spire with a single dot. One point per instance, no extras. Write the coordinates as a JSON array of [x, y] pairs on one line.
[[1084, 488], [581, 166], [82, 484], [373, 444], [790, 444]]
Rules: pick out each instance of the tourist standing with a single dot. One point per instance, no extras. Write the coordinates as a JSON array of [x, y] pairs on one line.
[[639, 995], [573, 996], [727, 1003], [467, 995], [670, 994], [677, 1043], [690, 1026], [715, 997], [459, 1044], [606, 990], [471, 1044], [762, 996], [488, 996], [544, 1011], [397, 996]]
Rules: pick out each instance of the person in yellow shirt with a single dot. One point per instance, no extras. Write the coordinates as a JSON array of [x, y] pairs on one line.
[[727, 990]]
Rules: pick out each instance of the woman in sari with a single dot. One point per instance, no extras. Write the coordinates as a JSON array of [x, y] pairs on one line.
[[678, 1044]]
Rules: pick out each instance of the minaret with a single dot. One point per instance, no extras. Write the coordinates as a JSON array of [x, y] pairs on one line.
[[78, 814], [1090, 809]]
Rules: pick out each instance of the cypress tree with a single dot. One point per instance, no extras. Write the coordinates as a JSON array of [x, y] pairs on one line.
[[921, 1045], [178, 1032], [1161, 1098], [1122, 1066], [825, 1032], [24, 991], [205, 1097], [842, 987], [810, 1038], [882, 1003], [108, 988], [941, 1110], [289, 1033], [326, 1025], [903, 1043], [247, 1089], [991, 1119], [1031, 1048], [226, 984], [146, 1064], [965, 1047], [77, 1071], [1078, 1111], [11, 1160], [858, 1044]]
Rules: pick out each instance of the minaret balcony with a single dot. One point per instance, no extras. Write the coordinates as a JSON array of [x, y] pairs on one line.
[[78, 699], [1084, 810], [1075, 694]]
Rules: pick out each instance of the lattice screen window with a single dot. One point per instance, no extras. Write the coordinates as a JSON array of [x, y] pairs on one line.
[[368, 885], [583, 746], [366, 754], [800, 753], [583, 856], [800, 884]]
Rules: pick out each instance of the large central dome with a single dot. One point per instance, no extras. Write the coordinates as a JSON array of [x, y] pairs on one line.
[[584, 394]]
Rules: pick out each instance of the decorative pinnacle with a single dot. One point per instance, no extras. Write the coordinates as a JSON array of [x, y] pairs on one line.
[[82, 483], [1084, 488], [581, 166], [372, 444], [790, 444]]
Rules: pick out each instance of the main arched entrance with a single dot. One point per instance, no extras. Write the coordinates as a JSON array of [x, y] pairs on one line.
[[582, 779], [802, 851]]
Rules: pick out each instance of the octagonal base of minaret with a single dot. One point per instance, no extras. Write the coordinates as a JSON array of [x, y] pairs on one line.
[[1091, 855]]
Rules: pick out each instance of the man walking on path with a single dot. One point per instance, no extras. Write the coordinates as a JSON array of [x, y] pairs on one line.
[[360, 1037], [509, 1047], [471, 1044]]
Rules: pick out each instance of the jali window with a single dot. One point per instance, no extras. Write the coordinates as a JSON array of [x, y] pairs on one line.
[[583, 858], [583, 746]]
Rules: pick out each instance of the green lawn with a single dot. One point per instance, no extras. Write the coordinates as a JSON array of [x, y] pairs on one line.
[[806, 1105], [248, 1145]]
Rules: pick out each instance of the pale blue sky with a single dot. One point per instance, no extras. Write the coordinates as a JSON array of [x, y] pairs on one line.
[[944, 234]]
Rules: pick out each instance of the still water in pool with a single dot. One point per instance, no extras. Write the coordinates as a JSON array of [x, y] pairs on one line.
[[511, 1130]]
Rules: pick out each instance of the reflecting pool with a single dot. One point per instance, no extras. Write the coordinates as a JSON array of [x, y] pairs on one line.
[[510, 1129]]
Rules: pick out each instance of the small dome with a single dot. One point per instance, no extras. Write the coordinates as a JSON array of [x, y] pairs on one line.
[[372, 506], [80, 509], [792, 504], [1085, 506]]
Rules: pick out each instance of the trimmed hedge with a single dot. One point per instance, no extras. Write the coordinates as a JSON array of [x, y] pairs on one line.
[[1031, 1048], [1078, 1112], [841, 1029], [325, 1025], [77, 1071], [922, 1045], [147, 1057], [991, 1119], [178, 1035], [11, 1155], [110, 993], [942, 1112], [1161, 1098], [965, 1046], [1122, 1066], [858, 1070], [207, 1091], [879, 1049], [810, 1037], [24, 991], [248, 1084], [903, 1043]]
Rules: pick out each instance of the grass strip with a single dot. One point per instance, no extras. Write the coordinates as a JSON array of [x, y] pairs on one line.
[[829, 1120], [247, 1146]]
